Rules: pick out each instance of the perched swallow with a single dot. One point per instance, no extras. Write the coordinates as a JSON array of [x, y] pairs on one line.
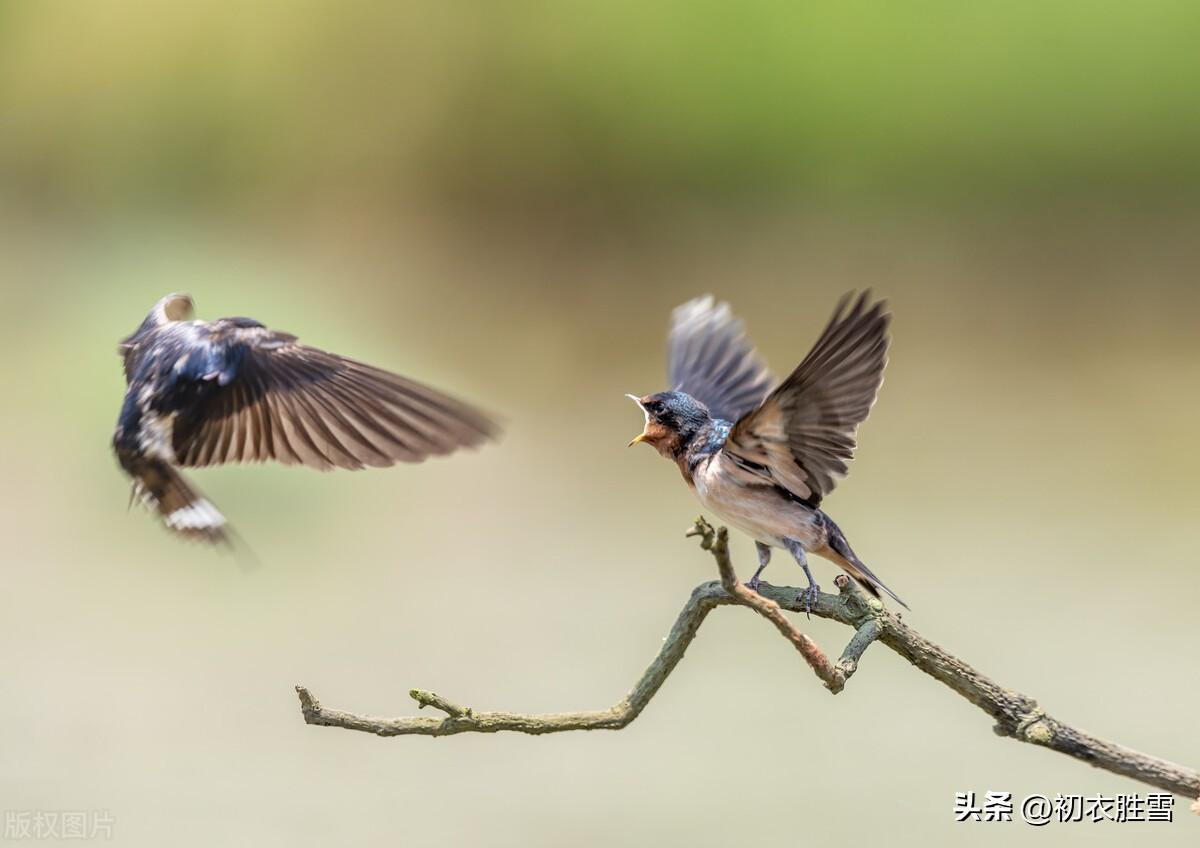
[[210, 392], [763, 459]]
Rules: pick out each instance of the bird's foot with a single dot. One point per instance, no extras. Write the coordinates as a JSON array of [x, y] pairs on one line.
[[808, 596], [753, 583]]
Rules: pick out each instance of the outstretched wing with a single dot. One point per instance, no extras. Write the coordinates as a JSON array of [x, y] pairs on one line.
[[804, 434], [263, 395], [709, 358]]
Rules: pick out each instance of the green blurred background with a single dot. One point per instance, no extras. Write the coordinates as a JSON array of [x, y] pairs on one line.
[[506, 200]]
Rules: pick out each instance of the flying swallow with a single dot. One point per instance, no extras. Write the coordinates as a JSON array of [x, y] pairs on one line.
[[204, 393], [763, 458]]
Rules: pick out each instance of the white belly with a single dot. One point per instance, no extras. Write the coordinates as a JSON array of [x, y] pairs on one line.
[[759, 511]]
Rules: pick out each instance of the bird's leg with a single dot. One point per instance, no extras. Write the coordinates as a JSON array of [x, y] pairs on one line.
[[764, 557], [810, 594]]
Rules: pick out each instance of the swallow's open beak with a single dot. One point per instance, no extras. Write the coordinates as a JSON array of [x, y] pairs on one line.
[[641, 437]]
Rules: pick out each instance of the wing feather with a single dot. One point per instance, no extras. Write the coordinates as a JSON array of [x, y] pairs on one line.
[[709, 358], [353, 449], [284, 452], [300, 405], [804, 434], [401, 436]]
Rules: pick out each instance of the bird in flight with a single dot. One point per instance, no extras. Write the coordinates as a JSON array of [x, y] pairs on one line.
[[763, 458], [204, 393]]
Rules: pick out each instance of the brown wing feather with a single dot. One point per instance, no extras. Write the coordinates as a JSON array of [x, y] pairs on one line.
[[804, 434], [300, 405]]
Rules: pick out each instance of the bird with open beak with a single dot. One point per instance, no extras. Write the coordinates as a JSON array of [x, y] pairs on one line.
[[760, 458], [209, 392]]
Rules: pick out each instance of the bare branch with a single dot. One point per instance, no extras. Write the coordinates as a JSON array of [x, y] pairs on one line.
[[462, 719], [1015, 715], [717, 542]]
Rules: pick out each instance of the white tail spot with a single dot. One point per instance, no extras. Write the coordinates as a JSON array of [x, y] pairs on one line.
[[198, 515]]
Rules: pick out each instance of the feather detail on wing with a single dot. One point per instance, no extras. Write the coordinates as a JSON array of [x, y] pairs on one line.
[[299, 405], [709, 358], [804, 433]]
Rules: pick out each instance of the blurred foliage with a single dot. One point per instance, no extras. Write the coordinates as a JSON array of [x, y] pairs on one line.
[[223, 101]]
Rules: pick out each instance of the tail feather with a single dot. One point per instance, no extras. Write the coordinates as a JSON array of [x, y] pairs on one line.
[[867, 579], [182, 508], [855, 567]]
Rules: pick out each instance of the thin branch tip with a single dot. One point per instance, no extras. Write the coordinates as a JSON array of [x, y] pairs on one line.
[[308, 701], [700, 527]]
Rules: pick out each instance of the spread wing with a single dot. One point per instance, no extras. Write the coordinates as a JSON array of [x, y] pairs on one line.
[[709, 358], [263, 395], [804, 434]]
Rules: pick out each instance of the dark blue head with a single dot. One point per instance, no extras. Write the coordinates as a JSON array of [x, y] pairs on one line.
[[673, 420]]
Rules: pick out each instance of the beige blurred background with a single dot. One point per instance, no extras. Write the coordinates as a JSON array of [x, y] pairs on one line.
[[506, 201]]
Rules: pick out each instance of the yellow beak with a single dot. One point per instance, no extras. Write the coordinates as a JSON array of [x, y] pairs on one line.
[[643, 437]]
